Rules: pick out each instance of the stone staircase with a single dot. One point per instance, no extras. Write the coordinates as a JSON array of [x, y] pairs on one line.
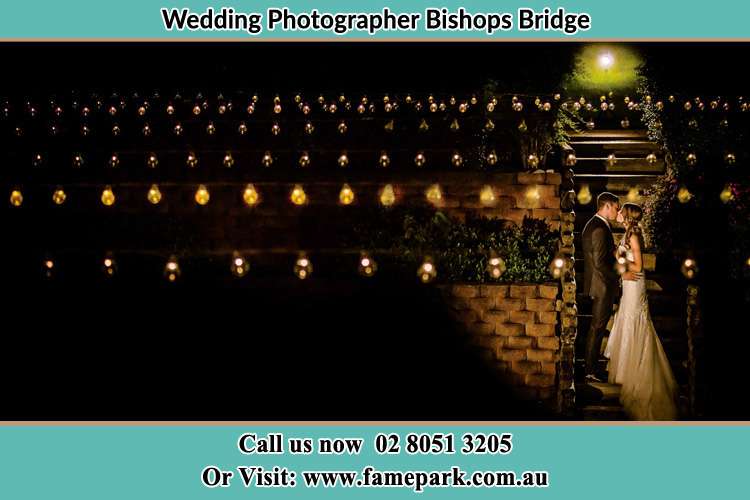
[[628, 176]]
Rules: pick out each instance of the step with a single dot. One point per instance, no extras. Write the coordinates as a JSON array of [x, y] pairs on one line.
[[583, 149], [622, 165], [600, 134]]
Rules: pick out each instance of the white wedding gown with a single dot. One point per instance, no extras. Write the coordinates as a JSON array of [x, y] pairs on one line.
[[636, 357]]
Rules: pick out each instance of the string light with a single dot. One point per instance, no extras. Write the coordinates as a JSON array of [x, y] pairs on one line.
[[726, 194], [77, 161], [487, 196], [153, 195], [172, 269], [434, 194], [210, 128], [202, 196], [491, 158], [108, 197], [275, 129], [59, 196], [532, 161], [533, 195], [267, 159], [48, 268], [495, 266], [152, 161], [384, 160], [730, 159], [16, 198], [309, 128], [343, 160], [611, 160], [427, 271], [684, 195], [342, 128], [420, 159], [454, 125], [228, 160], [109, 266], [192, 160], [692, 159], [177, 130], [557, 266], [689, 268], [346, 195], [571, 160], [584, 195], [304, 159], [239, 266], [367, 266], [250, 196], [242, 128], [456, 159], [522, 127], [387, 196], [303, 267], [114, 160], [651, 159], [298, 196]]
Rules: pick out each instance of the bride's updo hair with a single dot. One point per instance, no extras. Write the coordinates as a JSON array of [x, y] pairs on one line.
[[632, 214]]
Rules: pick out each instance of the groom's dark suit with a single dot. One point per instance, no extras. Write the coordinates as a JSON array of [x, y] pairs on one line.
[[600, 282]]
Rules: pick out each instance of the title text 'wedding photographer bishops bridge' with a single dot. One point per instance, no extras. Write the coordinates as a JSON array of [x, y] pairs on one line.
[[374, 23]]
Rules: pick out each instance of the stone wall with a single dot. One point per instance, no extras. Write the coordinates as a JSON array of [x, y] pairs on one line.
[[517, 327]]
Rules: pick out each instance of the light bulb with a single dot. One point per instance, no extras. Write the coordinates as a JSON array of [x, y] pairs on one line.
[[692, 159], [346, 195], [109, 266], [387, 196], [434, 194], [491, 158], [202, 196], [456, 159], [584, 195], [684, 195], [343, 160], [303, 267], [689, 268], [367, 266], [533, 195], [309, 128], [152, 161], [114, 160], [342, 128], [276, 129], [59, 196], [427, 271], [153, 195], [611, 160], [487, 196], [16, 198], [304, 160], [730, 159], [726, 194], [557, 266], [250, 196], [454, 125], [267, 159], [192, 160], [420, 159], [571, 160], [532, 161], [298, 195], [239, 265], [384, 160], [633, 195], [48, 268], [108, 197], [228, 160], [495, 267], [172, 269], [210, 128], [651, 159]]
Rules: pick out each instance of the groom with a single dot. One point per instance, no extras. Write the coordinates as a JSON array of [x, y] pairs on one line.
[[601, 281]]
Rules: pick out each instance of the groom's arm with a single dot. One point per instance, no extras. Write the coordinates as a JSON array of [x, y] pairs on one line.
[[602, 262]]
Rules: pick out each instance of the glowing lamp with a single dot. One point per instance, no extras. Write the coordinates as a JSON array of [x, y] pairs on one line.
[[250, 196], [427, 271]]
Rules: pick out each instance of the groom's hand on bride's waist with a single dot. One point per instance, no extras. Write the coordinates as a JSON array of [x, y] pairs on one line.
[[631, 276]]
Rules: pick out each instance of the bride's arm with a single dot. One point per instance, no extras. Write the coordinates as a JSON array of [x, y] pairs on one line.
[[635, 246]]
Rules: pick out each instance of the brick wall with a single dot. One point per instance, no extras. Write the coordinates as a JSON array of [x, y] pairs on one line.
[[516, 326]]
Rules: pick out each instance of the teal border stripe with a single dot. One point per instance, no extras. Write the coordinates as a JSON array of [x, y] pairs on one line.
[[141, 19], [164, 462]]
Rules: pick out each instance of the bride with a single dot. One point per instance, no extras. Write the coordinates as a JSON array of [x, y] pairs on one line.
[[636, 357]]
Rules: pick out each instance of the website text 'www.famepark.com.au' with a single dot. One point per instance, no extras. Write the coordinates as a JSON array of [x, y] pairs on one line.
[[369, 477]]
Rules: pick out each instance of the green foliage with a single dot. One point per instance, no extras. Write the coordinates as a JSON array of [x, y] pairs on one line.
[[460, 250]]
